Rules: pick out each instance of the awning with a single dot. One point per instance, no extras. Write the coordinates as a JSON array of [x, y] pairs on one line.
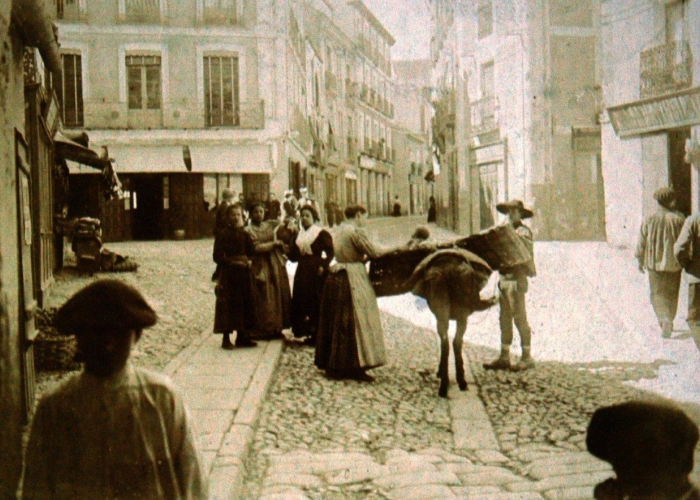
[[654, 114], [240, 159], [69, 150], [148, 159]]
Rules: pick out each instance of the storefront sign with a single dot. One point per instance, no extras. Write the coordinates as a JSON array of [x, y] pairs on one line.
[[680, 109]]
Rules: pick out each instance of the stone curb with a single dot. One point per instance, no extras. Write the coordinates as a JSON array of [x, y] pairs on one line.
[[228, 471]]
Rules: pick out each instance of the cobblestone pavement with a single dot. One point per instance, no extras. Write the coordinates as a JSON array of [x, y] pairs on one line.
[[320, 439], [174, 276]]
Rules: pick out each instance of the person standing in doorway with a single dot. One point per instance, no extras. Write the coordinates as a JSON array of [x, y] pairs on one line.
[[432, 210], [687, 252], [655, 254], [274, 208], [512, 287], [396, 211]]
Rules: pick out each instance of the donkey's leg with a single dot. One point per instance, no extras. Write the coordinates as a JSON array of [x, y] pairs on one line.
[[457, 346], [443, 322]]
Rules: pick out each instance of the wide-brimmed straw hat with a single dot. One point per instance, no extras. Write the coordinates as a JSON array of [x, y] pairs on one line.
[[504, 207], [105, 304]]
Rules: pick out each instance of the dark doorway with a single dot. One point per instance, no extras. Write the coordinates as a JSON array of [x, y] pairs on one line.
[[147, 209], [678, 169]]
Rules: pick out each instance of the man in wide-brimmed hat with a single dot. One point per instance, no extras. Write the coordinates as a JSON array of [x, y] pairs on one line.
[[650, 447], [512, 287], [112, 430], [655, 255]]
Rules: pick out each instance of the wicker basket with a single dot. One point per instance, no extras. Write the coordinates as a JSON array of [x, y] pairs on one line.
[[390, 273], [55, 353]]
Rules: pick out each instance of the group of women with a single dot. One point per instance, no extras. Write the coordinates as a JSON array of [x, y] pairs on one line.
[[333, 306]]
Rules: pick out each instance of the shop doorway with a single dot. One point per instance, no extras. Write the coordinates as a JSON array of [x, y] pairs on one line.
[[147, 207], [678, 169]]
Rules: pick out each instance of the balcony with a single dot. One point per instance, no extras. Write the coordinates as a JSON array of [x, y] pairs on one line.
[[222, 16], [142, 11], [331, 82], [665, 68], [68, 10], [484, 116], [352, 148], [251, 115]]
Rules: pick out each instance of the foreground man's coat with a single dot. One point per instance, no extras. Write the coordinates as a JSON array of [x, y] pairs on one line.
[[126, 436]]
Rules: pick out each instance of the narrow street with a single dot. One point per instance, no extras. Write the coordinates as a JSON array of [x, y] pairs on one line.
[[273, 427]]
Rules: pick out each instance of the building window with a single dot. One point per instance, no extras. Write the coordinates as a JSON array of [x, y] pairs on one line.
[[221, 11], [485, 18], [675, 21], [69, 88], [487, 80], [140, 11], [143, 81], [221, 91]]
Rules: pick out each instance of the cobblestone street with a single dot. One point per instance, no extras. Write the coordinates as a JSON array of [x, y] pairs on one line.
[[319, 438], [511, 436]]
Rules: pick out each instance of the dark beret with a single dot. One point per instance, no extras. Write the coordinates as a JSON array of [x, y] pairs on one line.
[[105, 304], [639, 437], [664, 196]]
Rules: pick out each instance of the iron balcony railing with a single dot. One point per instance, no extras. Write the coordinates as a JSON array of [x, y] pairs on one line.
[[484, 115], [142, 11], [249, 115], [331, 81], [220, 15], [665, 68], [352, 148]]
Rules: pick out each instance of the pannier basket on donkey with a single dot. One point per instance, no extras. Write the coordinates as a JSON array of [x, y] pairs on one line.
[[450, 277]]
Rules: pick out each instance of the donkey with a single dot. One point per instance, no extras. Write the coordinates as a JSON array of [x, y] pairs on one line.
[[450, 280]]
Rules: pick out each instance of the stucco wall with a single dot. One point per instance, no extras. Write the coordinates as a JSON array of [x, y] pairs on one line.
[[11, 117]]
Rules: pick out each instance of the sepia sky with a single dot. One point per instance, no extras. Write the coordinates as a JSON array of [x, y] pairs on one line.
[[409, 22]]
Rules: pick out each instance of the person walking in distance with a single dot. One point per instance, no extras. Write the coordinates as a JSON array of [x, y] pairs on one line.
[[112, 430], [687, 252], [512, 287], [655, 254]]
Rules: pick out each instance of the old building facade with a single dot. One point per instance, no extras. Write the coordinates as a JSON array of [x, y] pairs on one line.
[[24, 278], [412, 127], [517, 91], [651, 131], [184, 96]]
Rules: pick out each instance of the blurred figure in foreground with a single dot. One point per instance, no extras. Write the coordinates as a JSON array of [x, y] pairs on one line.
[[687, 251], [650, 447], [112, 430]]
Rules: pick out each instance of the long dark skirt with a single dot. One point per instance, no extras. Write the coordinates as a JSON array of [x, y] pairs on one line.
[[234, 305], [306, 296], [336, 345]]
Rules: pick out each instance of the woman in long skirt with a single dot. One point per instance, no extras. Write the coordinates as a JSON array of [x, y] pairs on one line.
[[350, 339], [313, 250], [271, 292], [232, 250]]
